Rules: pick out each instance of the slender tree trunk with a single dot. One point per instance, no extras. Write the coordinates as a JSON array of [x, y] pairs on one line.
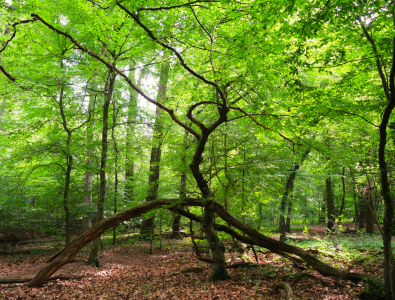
[[330, 205], [287, 192], [343, 193], [114, 121], [93, 259], [362, 212], [288, 221], [131, 121], [370, 212], [157, 135], [88, 179], [69, 164]]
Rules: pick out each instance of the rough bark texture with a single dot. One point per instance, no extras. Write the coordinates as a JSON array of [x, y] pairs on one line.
[[93, 255], [330, 205], [157, 135]]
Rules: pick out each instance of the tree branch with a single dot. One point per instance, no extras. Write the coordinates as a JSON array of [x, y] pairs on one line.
[[180, 58], [111, 66]]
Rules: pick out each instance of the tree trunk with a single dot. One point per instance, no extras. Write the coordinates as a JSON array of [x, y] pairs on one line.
[[343, 193], [287, 192], [68, 253], [288, 221], [217, 249], [389, 268], [88, 179], [131, 121], [114, 121], [69, 164], [362, 213], [183, 186], [93, 259], [330, 205], [157, 135], [370, 215]]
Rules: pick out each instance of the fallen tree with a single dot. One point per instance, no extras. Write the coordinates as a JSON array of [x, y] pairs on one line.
[[281, 248], [274, 245], [68, 253]]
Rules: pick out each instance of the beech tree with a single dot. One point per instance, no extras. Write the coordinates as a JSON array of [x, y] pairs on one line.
[[254, 83]]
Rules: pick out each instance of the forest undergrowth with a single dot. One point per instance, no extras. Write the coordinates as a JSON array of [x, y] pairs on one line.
[[130, 272]]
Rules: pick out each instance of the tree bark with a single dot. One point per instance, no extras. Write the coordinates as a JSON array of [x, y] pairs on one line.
[[217, 249], [289, 213], [69, 164], [88, 178], [330, 205], [274, 245], [93, 259], [287, 192], [157, 135], [114, 121], [389, 268], [370, 215], [131, 121], [68, 253], [343, 193]]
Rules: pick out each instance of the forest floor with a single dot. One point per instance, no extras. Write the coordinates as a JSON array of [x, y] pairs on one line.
[[129, 272]]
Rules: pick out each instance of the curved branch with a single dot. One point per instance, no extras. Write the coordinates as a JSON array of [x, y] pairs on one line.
[[13, 35], [111, 66], [190, 117], [180, 58], [352, 114]]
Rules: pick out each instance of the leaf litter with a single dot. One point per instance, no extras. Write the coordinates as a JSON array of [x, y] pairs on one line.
[[129, 272]]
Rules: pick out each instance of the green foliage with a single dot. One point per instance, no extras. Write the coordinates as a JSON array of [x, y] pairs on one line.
[[374, 289]]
